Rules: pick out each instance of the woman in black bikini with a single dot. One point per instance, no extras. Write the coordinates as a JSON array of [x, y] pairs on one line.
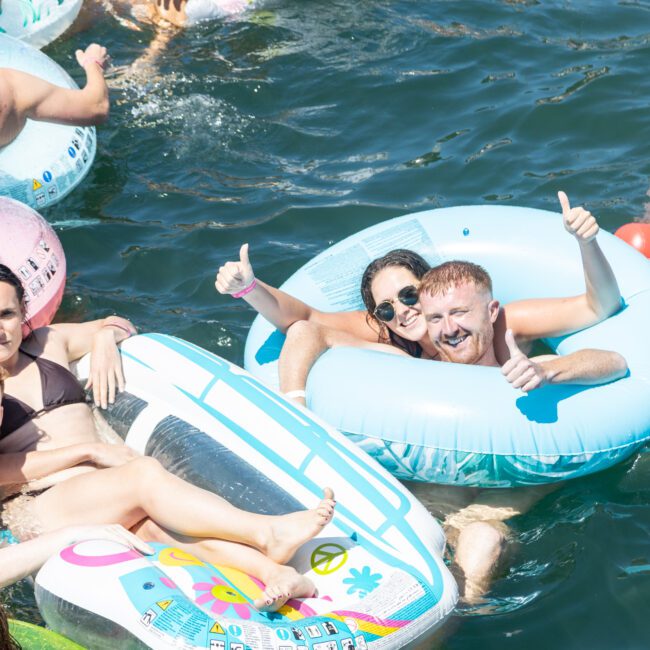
[[56, 472]]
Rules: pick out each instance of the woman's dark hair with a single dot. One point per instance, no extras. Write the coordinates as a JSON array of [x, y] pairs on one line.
[[400, 257], [6, 640], [8, 276]]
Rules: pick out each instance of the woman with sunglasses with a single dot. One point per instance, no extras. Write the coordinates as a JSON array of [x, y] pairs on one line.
[[393, 321]]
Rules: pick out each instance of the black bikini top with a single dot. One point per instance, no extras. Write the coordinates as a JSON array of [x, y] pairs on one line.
[[59, 387]]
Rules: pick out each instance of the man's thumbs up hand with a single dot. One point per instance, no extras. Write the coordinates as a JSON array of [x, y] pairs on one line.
[[578, 221], [519, 370]]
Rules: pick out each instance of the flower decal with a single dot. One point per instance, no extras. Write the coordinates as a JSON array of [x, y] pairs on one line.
[[224, 597], [362, 582]]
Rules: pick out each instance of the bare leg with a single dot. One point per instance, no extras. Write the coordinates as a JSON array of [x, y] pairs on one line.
[[305, 343], [281, 582], [479, 535], [144, 69], [142, 488], [478, 550], [474, 525]]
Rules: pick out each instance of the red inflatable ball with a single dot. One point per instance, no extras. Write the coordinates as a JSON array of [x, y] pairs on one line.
[[31, 249], [636, 235]]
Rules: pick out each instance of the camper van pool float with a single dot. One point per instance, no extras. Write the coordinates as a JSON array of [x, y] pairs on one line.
[[378, 566]]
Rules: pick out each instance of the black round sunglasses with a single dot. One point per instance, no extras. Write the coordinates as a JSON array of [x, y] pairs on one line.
[[385, 311]]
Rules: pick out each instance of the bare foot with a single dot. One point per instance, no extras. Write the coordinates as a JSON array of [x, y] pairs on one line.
[[288, 532], [281, 586]]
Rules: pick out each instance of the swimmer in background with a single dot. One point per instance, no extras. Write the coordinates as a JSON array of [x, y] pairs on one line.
[[24, 96], [168, 17]]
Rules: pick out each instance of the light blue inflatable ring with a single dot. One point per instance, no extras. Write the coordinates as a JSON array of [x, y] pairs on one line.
[[465, 425], [46, 161], [37, 22]]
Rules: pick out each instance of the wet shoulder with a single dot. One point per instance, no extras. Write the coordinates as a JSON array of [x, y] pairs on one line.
[[47, 343]]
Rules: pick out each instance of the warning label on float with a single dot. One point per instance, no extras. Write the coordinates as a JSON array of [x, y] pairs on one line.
[[181, 620], [338, 275]]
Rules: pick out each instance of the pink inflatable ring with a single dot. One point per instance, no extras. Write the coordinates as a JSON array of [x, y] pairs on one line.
[[30, 248]]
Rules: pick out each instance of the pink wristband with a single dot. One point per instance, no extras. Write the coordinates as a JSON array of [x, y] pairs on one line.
[[248, 289], [97, 61]]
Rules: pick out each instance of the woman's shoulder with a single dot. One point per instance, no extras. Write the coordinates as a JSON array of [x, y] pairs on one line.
[[45, 342]]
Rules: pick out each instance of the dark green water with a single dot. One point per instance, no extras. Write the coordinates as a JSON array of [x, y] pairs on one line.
[[297, 127]]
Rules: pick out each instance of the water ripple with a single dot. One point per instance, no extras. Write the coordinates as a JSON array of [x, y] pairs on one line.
[[588, 77], [490, 146]]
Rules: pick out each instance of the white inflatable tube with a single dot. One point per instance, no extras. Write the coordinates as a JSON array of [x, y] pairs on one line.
[[200, 10], [46, 161], [38, 22]]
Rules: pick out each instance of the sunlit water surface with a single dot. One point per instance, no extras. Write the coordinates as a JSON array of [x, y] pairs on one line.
[[303, 123]]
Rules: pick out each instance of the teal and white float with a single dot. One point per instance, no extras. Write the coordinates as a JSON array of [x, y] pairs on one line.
[[377, 566], [37, 22], [46, 161], [465, 425]]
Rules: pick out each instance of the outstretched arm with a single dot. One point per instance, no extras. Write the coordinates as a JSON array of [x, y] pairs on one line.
[[19, 468], [532, 319], [80, 338], [20, 560], [280, 308], [584, 367], [23, 467], [100, 338], [38, 99], [305, 343]]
